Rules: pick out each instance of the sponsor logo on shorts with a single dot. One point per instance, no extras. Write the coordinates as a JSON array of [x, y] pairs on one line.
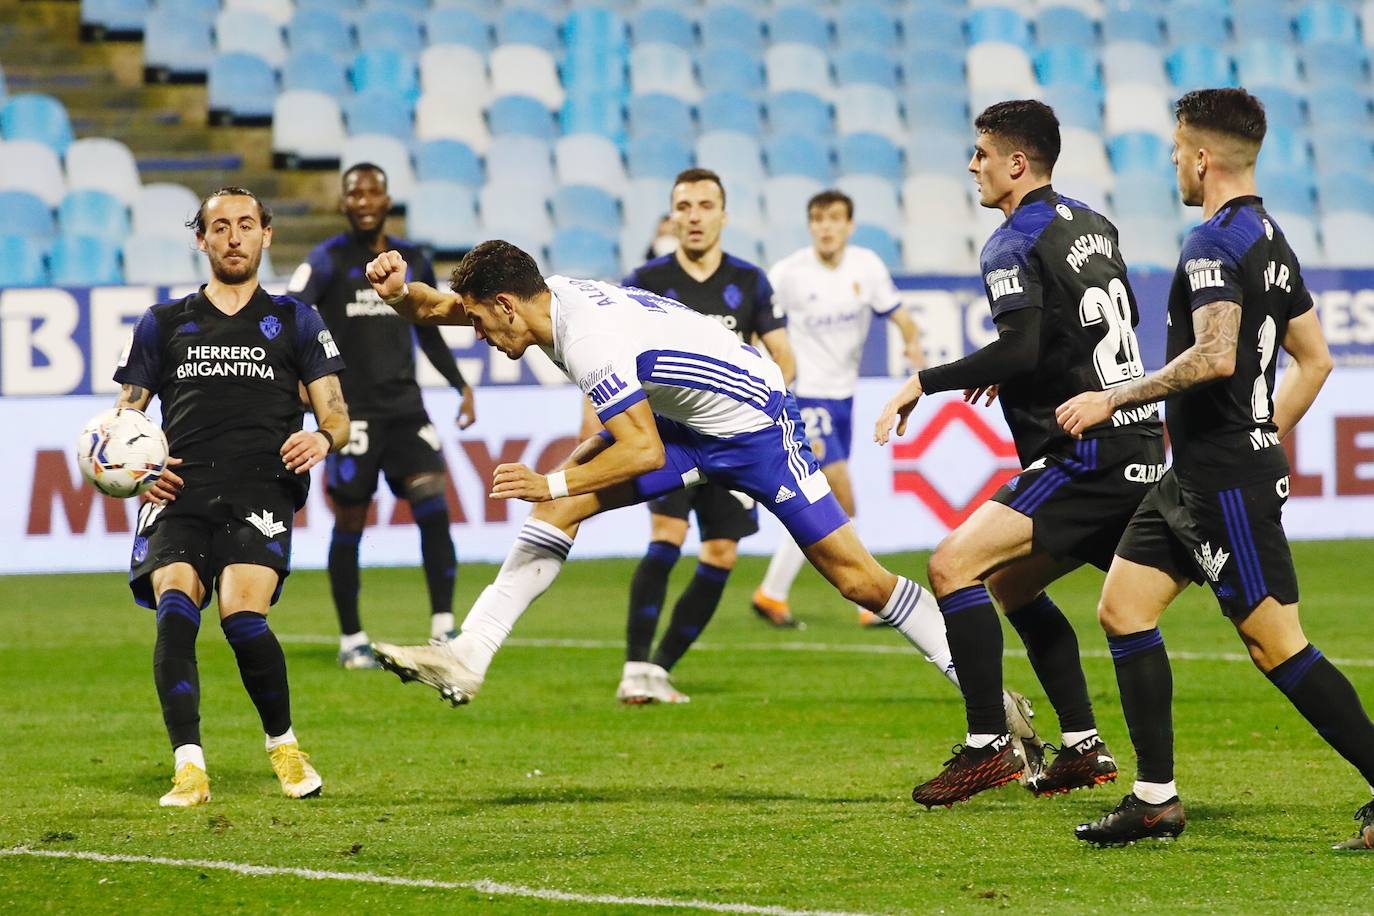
[[784, 494], [1281, 487], [265, 523], [1211, 563], [1262, 438], [140, 549], [1144, 473]]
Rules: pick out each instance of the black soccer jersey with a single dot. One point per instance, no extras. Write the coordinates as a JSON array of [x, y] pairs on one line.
[[738, 294], [1223, 433], [229, 383], [377, 343], [1058, 255]]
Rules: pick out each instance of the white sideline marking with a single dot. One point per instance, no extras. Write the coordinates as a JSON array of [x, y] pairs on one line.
[[855, 648], [495, 888]]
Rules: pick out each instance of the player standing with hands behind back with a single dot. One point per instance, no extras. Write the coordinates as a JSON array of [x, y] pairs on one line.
[[228, 363]]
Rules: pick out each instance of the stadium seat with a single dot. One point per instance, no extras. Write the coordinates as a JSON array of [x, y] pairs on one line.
[[1146, 196], [1198, 67], [1345, 237], [27, 165], [881, 242], [931, 26], [1335, 65], [734, 111], [91, 212], [102, 164], [1132, 62], [395, 29], [875, 200], [866, 26], [526, 70], [1140, 152], [731, 154], [798, 112], [798, 154], [1288, 195], [520, 114], [785, 197], [517, 212], [665, 68], [730, 25], [738, 241], [408, 6], [1076, 106], [347, 6], [307, 129], [585, 206], [940, 153], [659, 113], [1066, 63], [446, 66], [582, 252], [796, 66], [663, 24], [250, 31], [1327, 20], [1149, 242], [162, 208], [594, 112], [1342, 150], [23, 213], [521, 158], [934, 250], [385, 70], [321, 30], [275, 10], [316, 70], [998, 24], [1348, 190], [1065, 25], [799, 23], [1261, 21], [646, 201], [241, 88], [656, 156], [870, 154], [871, 66], [745, 205], [109, 19], [866, 108], [1198, 22], [1300, 230], [443, 215], [1129, 22], [1284, 150], [934, 199], [1138, 107], [1338, 106], [177, 46], [376, 112], [1266, 63], [41, 118], [457, 26], [589, 159], [1001, 69], [82, 260], [935, 70], [1282, 107], [158, 260], [726, 68], [524, 25], [452, 116], [1084, 155], [21, 261], [927, 110], [786, 238], [448, 161]]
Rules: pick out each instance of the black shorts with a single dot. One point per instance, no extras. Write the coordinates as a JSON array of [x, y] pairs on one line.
[[1231, 539], [211, 526], [721, 515], [1080, 502], [400, 448]]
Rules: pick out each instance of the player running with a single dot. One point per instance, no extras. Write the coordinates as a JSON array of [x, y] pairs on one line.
[[1065, 314], [228, 364], [701, 276], [682, 400], [391, 432], [1216, 516], [829, 292]]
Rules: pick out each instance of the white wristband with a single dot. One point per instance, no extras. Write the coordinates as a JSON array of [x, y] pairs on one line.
[[558, 484], [399, 297]]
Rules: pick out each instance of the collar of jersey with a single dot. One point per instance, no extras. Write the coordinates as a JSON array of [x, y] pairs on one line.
[[1044, 192], [258, 295]]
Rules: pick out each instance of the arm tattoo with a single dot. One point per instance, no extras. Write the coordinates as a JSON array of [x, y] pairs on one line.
[[133, 396], [334, 401], [1216, 330]]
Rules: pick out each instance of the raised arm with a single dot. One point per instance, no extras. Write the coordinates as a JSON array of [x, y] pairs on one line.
[[417, 302], [1301, 380]]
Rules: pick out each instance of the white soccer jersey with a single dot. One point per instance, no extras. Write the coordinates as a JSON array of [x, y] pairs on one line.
[[828, 314], [622, 346]]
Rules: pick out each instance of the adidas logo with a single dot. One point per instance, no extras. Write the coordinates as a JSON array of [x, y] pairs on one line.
[[784, 494], [1209, 562]]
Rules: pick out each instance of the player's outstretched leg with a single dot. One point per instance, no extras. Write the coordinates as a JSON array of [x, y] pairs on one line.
[[177, 676]]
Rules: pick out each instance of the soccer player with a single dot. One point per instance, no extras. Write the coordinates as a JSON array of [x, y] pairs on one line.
[[682, 400], [1065, 313], [700, 275], [391, 432], [228, 364], [1216, 516], [829, 292]]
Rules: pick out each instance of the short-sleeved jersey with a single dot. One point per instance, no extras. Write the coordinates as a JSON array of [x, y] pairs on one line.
[[377, 343], [828, 312], [228, 383], [738, 294], [1060, 256], [1223, 433], [622, 346]]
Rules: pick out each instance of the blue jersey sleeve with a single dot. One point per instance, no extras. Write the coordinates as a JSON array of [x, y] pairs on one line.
[[768, 315], [1011, 273], [1211, 267], [632, 280], [316, 353], [310, 279], [141, 362]]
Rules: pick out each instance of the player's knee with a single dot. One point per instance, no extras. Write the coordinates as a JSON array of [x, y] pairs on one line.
[[667, 528], [1114, 617], [423, 487], [568, 512], [944, 570], [720, 553], [350, 519]]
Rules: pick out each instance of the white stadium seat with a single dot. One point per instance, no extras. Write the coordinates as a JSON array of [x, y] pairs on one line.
[[28, 165], [102, 164], [1138, 106], [663, 68], [526, 70], [589, 159], [308, 125], [452, 116]]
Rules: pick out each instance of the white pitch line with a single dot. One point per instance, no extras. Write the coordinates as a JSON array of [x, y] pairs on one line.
[[480, 886]]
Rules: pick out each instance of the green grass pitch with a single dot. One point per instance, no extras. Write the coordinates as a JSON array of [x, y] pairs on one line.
[[785, 783]]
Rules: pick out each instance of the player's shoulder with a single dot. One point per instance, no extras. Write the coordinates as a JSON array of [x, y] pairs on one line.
[[653, 267], [864, 260], [286, 304], [801, 259], [174, 310], [330, 249], [1228, 234], [742, 267]]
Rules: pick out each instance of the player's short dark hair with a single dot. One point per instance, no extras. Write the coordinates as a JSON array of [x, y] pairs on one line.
[[828, 197], [197, 222], [364, 167], [689, 176], [1026, 124], [1233, 112], [495, 267]]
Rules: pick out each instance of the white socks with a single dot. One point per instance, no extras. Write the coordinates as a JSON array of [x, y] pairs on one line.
[[782, 569], [1072, 739], [1154, 793], [913, 612], [534, 561], [189, 753], [971, 740], [348, 643], [440, 625], [287, 737]]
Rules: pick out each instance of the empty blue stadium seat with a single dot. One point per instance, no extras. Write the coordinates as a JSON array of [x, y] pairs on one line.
[[22, 213], [866, 65], [1140, 152], [798, 154], [594, 30], [176, 45], [520, 158], [1067, 63], [1075, 106], [385, 70], [1283, 150], [251, 30], [528, 26], [205, 9], [866, 25], [394, 28], [317, 70], [1266, 63], [1194, 66], [731, 25], [1340, 150], [727, 110], [870, 154], [320, 30], [83, 260], [998, 23], [1259, 21], [582, 252], [1133, 62], [1282, 107], [730, 69], [586, 206], [241, 88], [520, 114], [377, 112], [656, 156], [933, 27], [927, 110], [598, 112], [1280, 195], [1198, 22], [798, 112], [448, 160], [1326, 20], [939, 152], [1339, 105], [1346, 191], [665, 24], [799, 23], [443, 215], [1065, 25], [404, 6], [738, 157], [1336, 64], [32, 116], [936, 67], [1132, 23], [880, 242], [342, 5], [21, 261], [159, 259], [122, 17], [658, 113], [454, 25], [1145, 196]]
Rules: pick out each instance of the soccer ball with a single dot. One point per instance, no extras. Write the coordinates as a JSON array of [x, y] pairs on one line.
[[122, 452]]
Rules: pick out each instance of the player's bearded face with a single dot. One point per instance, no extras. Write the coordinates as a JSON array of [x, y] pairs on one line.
[[1186, 162], [698, 215], [990, 168], [234, 238]]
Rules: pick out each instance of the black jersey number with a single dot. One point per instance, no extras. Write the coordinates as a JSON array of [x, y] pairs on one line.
[[1117, 356]]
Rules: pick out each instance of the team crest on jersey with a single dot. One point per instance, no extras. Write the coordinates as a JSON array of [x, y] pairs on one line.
[[1064, 211], [732, 296], [271, 327]]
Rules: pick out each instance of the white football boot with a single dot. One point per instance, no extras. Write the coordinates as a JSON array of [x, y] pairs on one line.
[[662, 689], [634, 684], [435, 665]]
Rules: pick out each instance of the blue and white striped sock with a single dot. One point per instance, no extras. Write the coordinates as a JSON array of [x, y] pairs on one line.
[[913, 612]]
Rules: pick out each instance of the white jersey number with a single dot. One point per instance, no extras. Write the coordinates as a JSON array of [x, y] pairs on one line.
[[818, 422], [1260, 405], [1117, 356], [357, 438]]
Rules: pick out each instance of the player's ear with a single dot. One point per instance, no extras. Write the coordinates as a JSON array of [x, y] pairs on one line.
[[1017, 164], [200, 242], [267, 237]]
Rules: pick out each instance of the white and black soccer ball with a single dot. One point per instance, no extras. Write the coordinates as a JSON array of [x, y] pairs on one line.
[[122, 452]]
